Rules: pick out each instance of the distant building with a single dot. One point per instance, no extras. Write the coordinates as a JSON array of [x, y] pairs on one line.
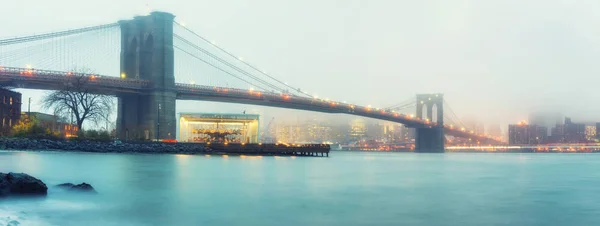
[[358, 130], [574, 132], [290, 133], [10, 109], [523, 133], [546, 119], [319, 132], [569, 132], [557, 134], [53, 123], [598, 131], [407, 134], [590, 133]]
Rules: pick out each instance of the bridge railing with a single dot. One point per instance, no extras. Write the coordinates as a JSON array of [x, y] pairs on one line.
[[62, 76]]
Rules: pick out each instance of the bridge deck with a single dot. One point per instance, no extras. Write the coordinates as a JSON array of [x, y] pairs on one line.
[[55, 80]]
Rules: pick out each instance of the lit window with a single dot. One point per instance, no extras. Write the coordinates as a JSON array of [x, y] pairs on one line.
[[10, 122], [11, 101]]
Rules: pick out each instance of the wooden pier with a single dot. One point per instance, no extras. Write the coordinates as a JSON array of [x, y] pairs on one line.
[[313, 150]]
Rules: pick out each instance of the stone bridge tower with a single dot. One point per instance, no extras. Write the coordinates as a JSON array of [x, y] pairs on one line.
[[147, 53], [430, 138]]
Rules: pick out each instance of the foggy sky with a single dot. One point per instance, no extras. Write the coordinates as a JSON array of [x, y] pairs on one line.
[[495, 60]]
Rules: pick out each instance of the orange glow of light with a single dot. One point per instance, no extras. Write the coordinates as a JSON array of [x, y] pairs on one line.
[[225, 90], [286, 97], [70, 73], [522, 123], [258, 93], [225, 156], [92, 77], [395, 115]]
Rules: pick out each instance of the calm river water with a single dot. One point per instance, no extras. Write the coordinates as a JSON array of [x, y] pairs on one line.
[[344, 189]]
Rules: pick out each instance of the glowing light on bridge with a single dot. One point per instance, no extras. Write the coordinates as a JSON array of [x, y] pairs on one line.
[[123, 75]]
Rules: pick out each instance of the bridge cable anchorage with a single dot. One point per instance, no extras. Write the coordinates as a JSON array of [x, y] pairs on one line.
[[227, 63], [31, 38], [218, 68], [238, 59]]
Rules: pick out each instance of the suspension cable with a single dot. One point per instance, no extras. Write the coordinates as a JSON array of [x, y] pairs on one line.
[[226, 63], [31, 38], [244, 62], [218, 68]]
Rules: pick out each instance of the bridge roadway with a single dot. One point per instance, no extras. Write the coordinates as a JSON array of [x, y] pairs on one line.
[[54, 80]]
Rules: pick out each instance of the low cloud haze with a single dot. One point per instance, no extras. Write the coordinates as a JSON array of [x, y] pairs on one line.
[[496, 61]]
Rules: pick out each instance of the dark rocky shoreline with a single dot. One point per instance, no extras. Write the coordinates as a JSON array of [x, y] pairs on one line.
[[23, 144]]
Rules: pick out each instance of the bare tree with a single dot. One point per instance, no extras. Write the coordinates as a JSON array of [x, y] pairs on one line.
[[75, 99]]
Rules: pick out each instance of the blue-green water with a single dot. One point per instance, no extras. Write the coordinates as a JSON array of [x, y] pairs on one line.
[[345, 189]]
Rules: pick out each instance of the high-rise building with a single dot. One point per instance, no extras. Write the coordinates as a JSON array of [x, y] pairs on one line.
[[590, 133], [318, 131], [557, 134], [289, 133], [574, 132], [546, 119], [598, 131], [568, 132], [358, 130], [523, 133]]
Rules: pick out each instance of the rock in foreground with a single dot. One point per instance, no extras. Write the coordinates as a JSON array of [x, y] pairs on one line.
[[83, 187], [20, 184]]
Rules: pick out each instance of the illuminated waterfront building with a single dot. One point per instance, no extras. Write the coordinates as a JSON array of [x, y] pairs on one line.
[[218, 128]]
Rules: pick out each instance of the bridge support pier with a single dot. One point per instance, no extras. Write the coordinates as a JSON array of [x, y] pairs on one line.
[[429, 140]]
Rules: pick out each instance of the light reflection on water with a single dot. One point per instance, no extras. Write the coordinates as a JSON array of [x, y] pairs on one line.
[[345, 189]]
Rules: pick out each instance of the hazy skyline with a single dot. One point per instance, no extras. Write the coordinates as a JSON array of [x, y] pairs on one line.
[[495, 61]]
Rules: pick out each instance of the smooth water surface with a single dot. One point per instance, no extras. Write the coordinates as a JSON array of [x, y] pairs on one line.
[[344, 189]]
